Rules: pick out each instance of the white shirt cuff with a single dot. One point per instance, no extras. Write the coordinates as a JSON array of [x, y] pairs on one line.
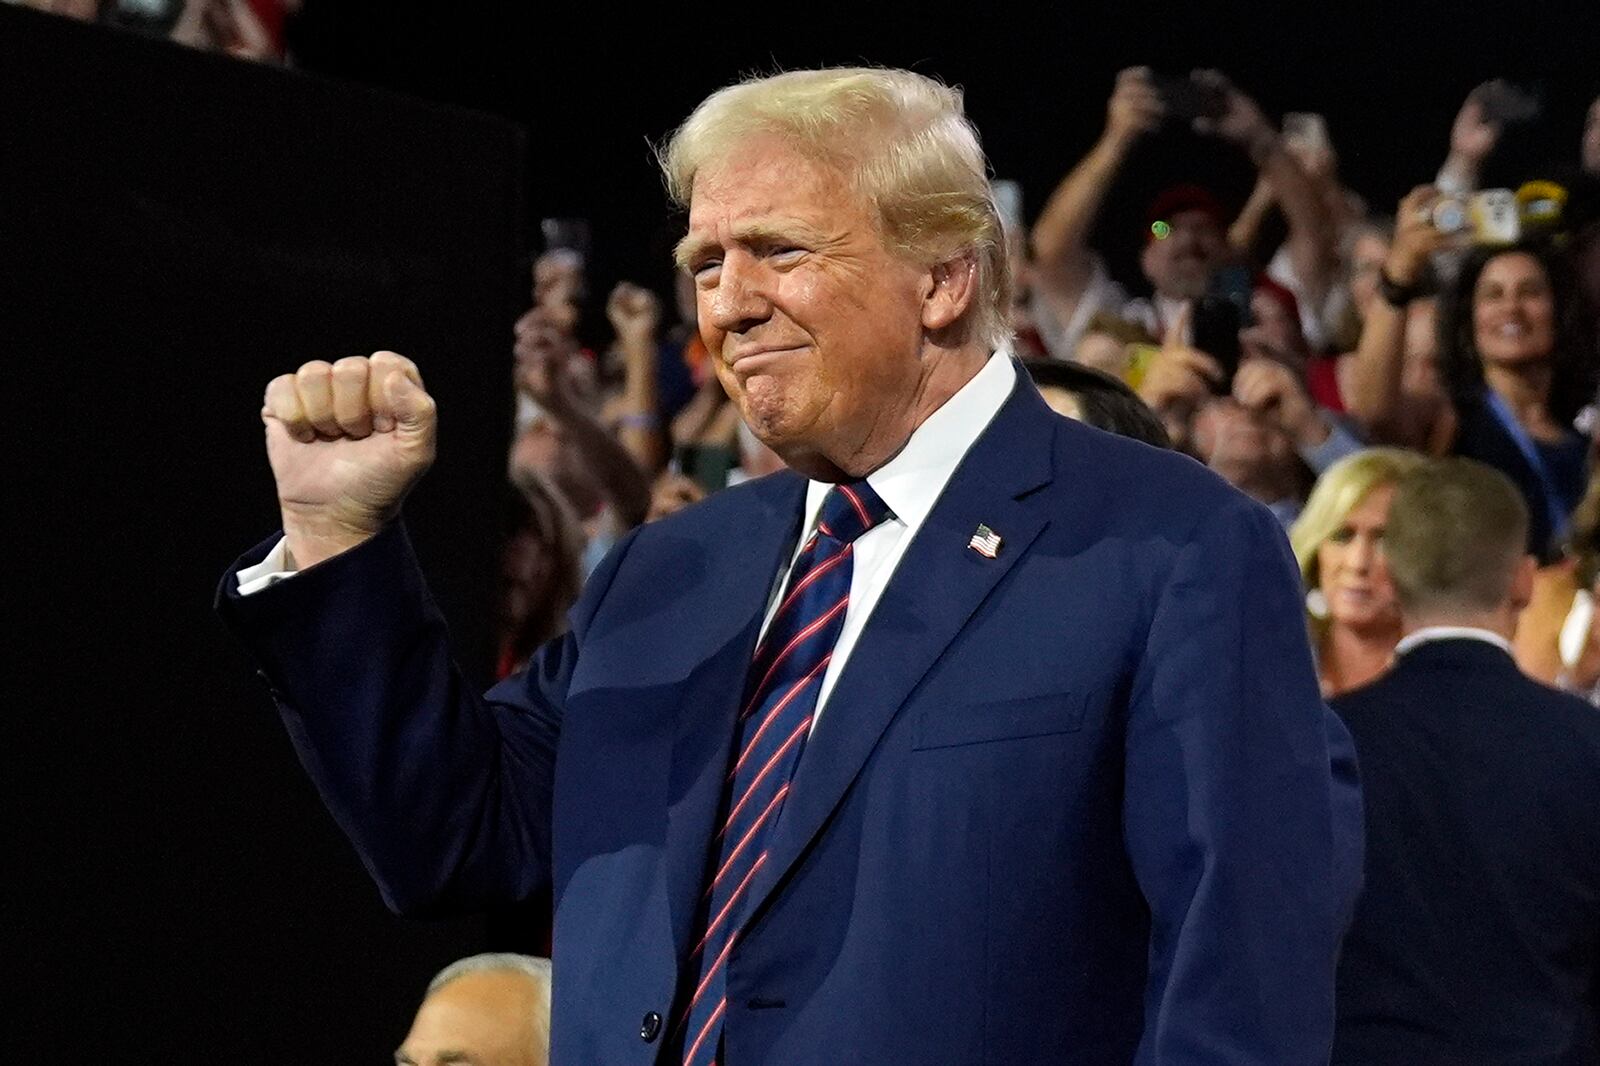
[[276, 567]]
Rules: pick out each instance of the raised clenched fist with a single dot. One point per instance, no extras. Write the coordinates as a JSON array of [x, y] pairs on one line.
[[347, 441]]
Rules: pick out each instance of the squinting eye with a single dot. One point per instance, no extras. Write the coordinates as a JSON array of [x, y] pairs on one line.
[[1342, 535]]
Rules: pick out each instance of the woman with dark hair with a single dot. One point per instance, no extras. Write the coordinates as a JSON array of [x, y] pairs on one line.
[[1513, 363], [1512, 367]]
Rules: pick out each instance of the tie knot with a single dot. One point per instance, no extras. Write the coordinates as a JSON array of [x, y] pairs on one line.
[[849, 510]]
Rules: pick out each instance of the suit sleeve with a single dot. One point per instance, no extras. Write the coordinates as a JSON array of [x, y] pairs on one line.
[[1242, 810], [445, 793]]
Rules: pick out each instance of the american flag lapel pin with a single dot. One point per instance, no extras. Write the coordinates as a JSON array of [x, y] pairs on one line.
[[986, 542]]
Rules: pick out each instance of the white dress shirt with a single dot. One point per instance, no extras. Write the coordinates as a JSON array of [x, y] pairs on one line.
[[910, 484], [1428, 634]]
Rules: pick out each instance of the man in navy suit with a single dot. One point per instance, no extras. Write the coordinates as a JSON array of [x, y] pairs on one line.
[[1477, 938], [978, 737]]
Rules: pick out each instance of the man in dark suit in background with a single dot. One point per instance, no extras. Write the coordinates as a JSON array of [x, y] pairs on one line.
[[1477, 936], [1068, 792]]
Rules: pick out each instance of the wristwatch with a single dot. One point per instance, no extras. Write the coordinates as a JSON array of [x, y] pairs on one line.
[[1397, 295]]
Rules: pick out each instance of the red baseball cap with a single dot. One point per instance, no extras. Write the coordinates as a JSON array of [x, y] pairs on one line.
[[1176, 199]]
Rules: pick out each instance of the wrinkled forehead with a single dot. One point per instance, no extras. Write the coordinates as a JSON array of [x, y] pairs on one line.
[[766, 188]]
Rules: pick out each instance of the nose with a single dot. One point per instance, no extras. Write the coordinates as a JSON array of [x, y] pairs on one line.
[[1358, 557], [739, 301]]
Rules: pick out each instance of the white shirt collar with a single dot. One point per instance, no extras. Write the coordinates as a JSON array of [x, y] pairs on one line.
[[911, 482], [1428, 634]]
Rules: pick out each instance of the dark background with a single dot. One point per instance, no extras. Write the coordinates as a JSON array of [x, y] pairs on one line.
[[175, 228]]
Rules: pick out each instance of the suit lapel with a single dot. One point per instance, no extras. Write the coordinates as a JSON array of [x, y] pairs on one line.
[[752, 547], [937, 586]]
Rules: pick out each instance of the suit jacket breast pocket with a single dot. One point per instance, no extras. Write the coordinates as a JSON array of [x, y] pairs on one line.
[[945, 726]]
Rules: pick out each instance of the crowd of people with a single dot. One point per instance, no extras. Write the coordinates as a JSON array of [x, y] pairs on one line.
[[1359, 356], [245, 29], [1321, 374], [1412, 402], [1310, 373]]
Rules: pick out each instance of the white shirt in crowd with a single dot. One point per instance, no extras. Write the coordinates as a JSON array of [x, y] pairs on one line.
[[910, 484], [1428, 634]]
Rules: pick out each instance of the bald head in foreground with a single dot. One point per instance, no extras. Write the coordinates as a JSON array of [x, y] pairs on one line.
[[977, 736], [485, 1010]]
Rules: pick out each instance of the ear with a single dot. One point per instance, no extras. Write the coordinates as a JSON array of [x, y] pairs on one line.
[[1521, 592], [949, 289]]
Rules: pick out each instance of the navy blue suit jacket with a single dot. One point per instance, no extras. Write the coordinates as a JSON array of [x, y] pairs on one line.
[[1080, 803], [1477, 939]]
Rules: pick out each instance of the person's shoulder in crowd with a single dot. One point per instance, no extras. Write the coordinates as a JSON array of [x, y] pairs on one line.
[[1482, 674], [1480, 684]]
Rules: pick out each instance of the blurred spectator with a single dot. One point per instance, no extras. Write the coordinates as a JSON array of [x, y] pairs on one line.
[[560, 439], [1363, 250], [1261, 430], [1112, 344], [561, 291], [671, 493], [82, 10], [559, 284], [1514, 365], [1275, 332], [1557, 641], [680, 363], [705, 436], [1096, 398], [245, 29], [634, 413], [1338, 541], [1305, 136], [540, 573], [1477, 935], [1186, 238], [1255, 455], [486, 1010], [1473, 136], [1025, 340]]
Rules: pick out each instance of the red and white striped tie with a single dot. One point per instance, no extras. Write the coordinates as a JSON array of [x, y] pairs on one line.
[[774, 721]]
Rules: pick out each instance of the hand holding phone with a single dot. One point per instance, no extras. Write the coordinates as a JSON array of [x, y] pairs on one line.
[[1185, 98]]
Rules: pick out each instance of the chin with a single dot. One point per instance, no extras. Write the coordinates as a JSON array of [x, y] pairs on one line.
[[1516, 357], [779, 411], [1366, 621]]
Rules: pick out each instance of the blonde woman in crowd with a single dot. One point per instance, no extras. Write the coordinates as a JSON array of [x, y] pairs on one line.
[[1338, 541]]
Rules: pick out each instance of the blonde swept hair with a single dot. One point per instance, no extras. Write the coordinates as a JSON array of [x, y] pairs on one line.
[[1340, 490], [904, 142]]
